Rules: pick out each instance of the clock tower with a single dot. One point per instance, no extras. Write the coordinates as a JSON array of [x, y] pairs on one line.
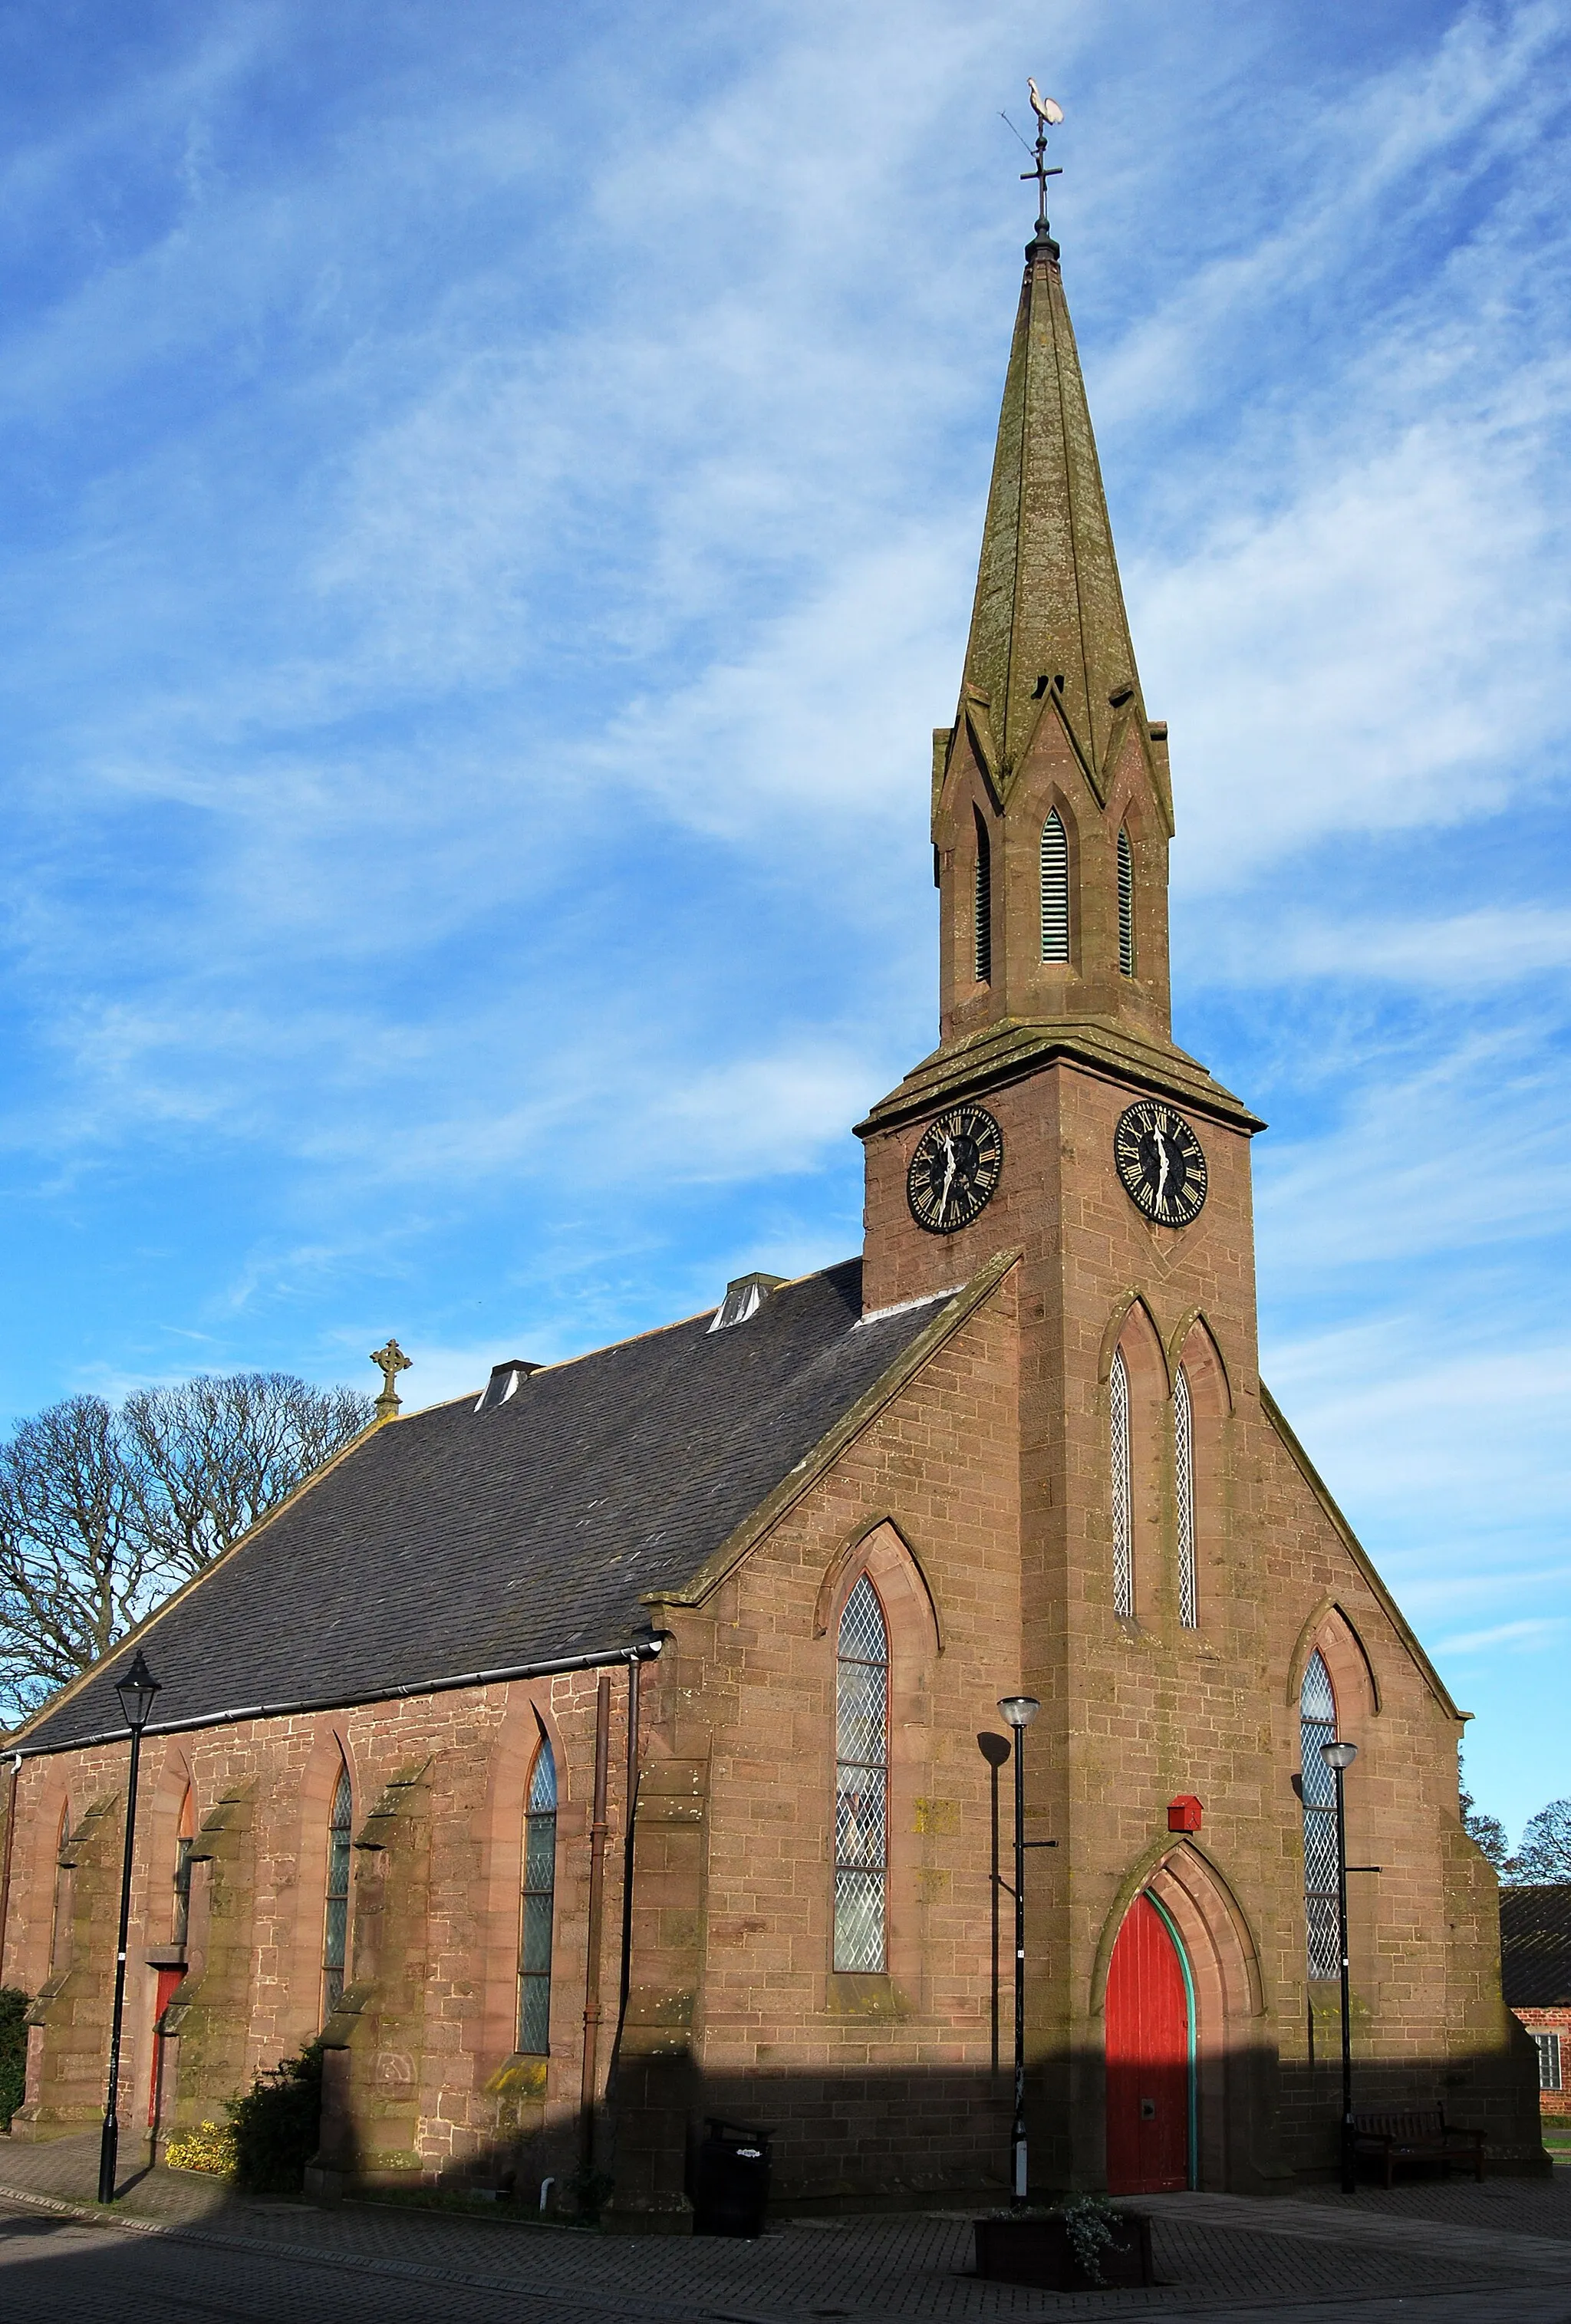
[[1057, 1120]]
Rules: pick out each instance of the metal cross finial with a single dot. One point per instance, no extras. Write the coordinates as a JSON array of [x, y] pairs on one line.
[[1047, 112], [393, 1361]]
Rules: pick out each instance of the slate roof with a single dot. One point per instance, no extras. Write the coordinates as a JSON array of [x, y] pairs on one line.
[[1535, 1946], [453, 1542]]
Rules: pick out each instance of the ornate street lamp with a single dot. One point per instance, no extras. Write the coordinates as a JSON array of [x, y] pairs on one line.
[[1018, 1710], [1339, 1758], [135, 1690]]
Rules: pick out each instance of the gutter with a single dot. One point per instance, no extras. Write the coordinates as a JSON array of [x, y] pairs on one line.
[[632, 1655]]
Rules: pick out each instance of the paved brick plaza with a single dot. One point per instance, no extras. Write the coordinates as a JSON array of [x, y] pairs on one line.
[[182, 2247]]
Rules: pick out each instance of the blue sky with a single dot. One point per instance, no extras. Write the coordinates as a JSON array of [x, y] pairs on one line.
[[491, 498]]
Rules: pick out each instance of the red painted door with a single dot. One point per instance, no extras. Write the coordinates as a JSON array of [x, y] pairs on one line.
[[167, 1986], [1147, 2057]]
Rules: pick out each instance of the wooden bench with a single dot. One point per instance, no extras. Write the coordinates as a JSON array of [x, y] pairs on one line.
[[1415, 2134]]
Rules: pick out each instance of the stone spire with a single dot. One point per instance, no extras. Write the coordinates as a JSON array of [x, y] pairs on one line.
[[1049, 621]]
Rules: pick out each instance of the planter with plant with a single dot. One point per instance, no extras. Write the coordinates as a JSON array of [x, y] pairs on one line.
[[1088, 2245]]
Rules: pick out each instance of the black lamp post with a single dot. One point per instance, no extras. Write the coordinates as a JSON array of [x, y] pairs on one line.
[[1020, 1710], [135, 1690], [1339, 1758]]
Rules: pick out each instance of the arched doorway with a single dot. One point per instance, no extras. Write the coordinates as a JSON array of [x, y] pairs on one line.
[[1151, 2055]]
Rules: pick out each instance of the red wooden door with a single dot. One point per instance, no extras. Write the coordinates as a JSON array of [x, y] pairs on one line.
[[167, 1986], [1147, 2057]]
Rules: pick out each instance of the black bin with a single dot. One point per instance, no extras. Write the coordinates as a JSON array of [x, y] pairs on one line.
[[730, 2181]]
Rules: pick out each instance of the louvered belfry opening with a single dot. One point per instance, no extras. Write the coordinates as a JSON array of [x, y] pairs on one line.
[[1184, 1492], [1122, 1488], [1317, 1725], [861, 1781], [983, 921], [1125, 904], [1055, 889]]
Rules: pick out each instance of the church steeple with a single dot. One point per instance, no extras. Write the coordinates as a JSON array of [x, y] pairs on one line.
[[1049, 626], [1051, 807]]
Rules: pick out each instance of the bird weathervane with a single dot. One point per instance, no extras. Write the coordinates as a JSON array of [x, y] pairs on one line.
[[391, 1361], [1049, 115]]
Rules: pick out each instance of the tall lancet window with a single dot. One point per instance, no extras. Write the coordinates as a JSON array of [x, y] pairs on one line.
[[861, 1782], [1125, 904], [1122, 1494], [539, 1884], [1184, 1490], [335, 1925], [1055, 889], [1317, 1725], [983, 922]]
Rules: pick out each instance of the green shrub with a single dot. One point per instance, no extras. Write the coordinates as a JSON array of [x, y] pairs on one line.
[[277, 2125], [13, 2051]]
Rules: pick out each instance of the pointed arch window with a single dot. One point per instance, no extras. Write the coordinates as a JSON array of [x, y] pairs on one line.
[[1318, 1784], [981, 925], [336, 1924], [1126, 903], [1184, 1490], [1123, 1493], [185, 1840], [861, 1782], [1055, 887], [540, 1883]]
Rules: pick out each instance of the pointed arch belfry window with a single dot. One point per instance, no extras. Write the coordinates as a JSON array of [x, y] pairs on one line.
[[983, 921], [1126, 903], [336, 1920], [1317, 1725], [539, 1884], [1184, 1493], [861, 1782], [1055, 889], [1121, 1486]]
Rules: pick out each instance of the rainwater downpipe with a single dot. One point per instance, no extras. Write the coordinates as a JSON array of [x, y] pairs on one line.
[[597, 1829]]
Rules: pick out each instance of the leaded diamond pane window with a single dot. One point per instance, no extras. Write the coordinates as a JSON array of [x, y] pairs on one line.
[[1317, 1725], [539, 1881], [1184, 1486], [1122, 1495], [335, 1932], [861, 1782], [1055, 889]]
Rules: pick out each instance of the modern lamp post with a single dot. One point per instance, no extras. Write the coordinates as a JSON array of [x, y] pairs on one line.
[[1339, 1758], [135, 1690], [1018, 1710]]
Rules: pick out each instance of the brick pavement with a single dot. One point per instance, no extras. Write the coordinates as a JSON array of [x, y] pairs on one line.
[[186, 2248]]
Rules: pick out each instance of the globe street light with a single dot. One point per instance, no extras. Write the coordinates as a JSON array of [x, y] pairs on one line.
[[1339, 1758], [1018, 1710], [135, 1690]]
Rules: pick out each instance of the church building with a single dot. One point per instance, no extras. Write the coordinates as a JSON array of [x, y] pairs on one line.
[[619, 1746]]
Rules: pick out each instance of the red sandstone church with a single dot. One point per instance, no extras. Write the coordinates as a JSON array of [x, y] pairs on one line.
[[599, 1753]]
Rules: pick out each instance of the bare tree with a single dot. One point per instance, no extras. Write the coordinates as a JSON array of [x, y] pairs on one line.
[[1545, 1854], [102, 1513], [76, 1565], [214, 1455]]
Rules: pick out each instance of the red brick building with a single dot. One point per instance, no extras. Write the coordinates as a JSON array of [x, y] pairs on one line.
[[723, 1611], [1535, 1943]]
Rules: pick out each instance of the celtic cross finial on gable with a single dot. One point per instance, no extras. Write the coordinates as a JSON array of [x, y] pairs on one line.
[[392, 1360]]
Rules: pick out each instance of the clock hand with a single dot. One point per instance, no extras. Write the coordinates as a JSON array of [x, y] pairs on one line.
[[948, 1174], [1163, 1175]]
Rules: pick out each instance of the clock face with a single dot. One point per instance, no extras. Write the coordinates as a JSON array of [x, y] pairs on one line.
[[958, 1162], [1161, 1163]]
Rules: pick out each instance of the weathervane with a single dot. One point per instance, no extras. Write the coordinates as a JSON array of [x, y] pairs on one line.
[[1047, 113]]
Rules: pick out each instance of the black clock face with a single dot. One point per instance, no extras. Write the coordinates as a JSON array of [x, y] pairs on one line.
[[957, 1166], [1161, 1163]]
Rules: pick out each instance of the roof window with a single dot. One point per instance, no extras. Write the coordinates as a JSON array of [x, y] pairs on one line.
[[744, 1297], [505, 1381]]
